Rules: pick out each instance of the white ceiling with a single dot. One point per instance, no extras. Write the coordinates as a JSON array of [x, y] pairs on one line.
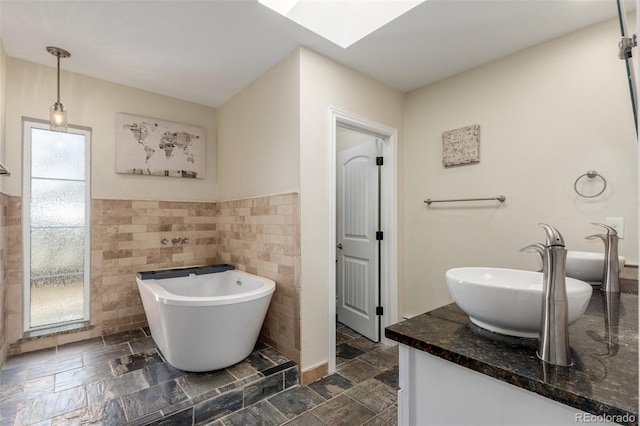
[[205, 51]]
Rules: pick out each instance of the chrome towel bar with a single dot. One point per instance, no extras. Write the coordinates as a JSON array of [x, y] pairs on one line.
[[500, 198], [4, 170]]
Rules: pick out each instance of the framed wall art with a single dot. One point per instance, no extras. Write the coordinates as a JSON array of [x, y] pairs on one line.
[[147, 146], [461, 146]]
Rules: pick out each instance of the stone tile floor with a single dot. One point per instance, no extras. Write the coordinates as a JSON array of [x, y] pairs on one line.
[[123, 379]]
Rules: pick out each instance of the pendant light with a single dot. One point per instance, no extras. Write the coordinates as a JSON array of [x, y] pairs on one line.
[[57, 113]]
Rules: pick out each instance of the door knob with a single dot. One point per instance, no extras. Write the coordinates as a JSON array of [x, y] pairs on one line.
[[339, 246]]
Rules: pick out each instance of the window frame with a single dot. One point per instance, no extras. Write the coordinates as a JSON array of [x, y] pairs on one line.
[[28, 124]]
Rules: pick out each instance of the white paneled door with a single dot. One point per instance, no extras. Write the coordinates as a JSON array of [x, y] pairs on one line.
[[357, 248]]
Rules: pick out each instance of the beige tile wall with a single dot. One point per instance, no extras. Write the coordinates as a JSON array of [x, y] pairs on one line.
[[259, 235], [262, 236], [13, 302], [4, 341], [126, 238]]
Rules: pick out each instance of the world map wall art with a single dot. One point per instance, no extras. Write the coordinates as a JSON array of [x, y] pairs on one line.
[[146, 146]]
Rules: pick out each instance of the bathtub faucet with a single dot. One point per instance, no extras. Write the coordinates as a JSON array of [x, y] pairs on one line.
[[180, 240]]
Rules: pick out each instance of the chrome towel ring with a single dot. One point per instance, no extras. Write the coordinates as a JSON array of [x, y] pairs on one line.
[[591, 174]]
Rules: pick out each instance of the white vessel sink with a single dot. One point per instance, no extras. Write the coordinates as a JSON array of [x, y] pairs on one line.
[[588, 266], [509, 301]]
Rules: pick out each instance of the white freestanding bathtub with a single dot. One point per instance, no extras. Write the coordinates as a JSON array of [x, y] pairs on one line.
[[204, 321]]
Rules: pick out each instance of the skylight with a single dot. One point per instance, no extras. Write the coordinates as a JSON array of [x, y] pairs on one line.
[[342, 22]]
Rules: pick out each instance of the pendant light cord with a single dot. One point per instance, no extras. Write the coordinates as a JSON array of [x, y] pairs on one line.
[[58, 79]]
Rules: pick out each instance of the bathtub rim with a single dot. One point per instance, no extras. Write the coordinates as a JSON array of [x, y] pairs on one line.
[[163, 296]]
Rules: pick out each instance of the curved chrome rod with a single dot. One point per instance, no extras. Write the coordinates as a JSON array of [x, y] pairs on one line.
[[500, 198]]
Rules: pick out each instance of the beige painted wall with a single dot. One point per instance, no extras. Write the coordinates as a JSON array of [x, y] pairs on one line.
[[259, 134], [547, 115], [325, 84], [3, 91], [4, 345], [31, 89], [277, 127]]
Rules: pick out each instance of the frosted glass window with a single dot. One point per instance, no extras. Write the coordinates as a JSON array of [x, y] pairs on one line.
[[56, 251], [56, 299], [57, 226], [57, 202], [57, 155]]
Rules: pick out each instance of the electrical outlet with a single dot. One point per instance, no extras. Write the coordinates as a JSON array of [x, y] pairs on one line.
[[617, 223]]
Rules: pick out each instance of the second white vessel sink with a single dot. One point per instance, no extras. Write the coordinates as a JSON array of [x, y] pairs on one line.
[[509, 301], [588, 266]]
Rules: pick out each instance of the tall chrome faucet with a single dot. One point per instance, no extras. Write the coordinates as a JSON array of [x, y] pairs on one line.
[[553, 347], [611, 272]]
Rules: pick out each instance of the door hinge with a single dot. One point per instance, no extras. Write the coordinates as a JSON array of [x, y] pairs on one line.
[[379, 161], [379, 310], [379, 235]]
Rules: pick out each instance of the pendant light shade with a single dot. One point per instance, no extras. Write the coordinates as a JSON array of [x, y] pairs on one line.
[[58, 117], [57, 112]]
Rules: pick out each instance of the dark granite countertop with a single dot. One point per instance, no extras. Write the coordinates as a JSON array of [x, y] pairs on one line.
[[604, 343]]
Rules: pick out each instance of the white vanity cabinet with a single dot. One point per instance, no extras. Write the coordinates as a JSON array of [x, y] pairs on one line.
[[438, 392], [453, 373]]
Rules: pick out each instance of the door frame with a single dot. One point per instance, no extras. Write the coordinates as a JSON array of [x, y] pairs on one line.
[[389, 205]]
